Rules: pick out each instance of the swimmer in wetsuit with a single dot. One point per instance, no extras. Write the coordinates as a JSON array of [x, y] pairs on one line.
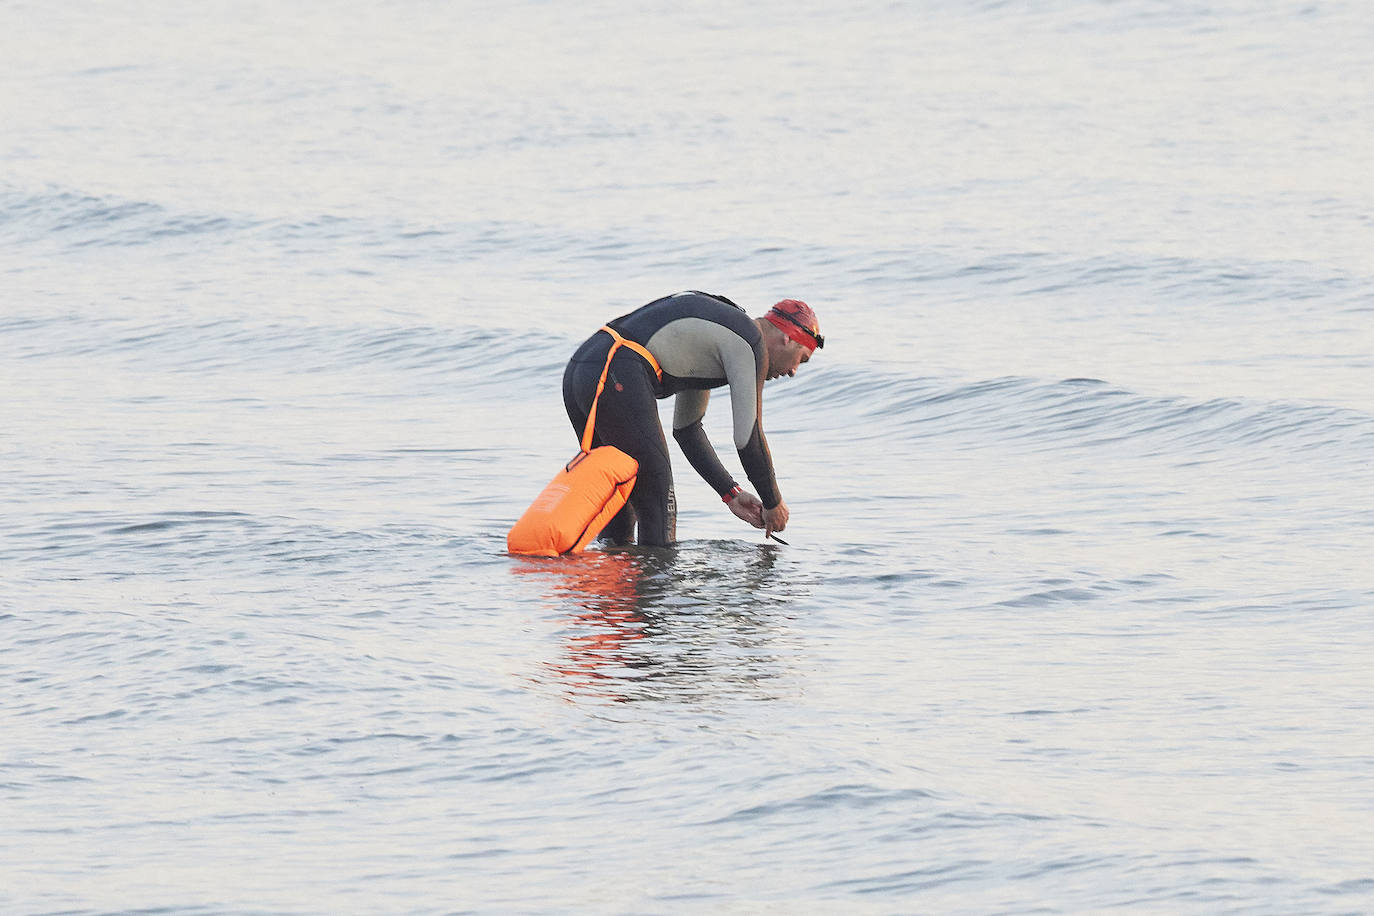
[[701, 342]]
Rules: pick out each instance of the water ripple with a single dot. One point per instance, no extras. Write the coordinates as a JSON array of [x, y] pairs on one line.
[[1084, 413]]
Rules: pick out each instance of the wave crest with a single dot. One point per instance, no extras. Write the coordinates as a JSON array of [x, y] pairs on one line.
[[1074, 413]]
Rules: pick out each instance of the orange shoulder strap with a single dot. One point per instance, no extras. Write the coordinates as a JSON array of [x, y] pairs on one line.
[[619, 341]]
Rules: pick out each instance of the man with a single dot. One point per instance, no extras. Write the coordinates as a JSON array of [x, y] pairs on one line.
[[700, 342]]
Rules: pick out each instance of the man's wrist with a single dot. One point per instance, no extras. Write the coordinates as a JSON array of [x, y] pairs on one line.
[[736, 490]]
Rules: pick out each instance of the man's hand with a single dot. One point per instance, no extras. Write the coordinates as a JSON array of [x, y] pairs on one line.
[[747, 506], [774, 519]]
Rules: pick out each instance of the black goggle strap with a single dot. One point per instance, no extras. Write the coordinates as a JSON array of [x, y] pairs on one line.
[[818, 338]]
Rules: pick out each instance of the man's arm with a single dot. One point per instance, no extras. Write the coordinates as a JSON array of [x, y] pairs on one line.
[[745, 367], [688, 409]]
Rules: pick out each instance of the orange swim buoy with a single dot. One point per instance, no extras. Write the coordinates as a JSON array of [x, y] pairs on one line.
[[584, 496], [579, 502]]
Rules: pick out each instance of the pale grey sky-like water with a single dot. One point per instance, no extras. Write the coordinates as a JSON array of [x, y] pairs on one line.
[[1077, 604]]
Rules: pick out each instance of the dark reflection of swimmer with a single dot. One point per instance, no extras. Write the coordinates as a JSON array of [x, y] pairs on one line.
[[650, 625]]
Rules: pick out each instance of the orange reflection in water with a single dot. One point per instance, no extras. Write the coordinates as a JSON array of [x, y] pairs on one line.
[[604, 596], [687, 624]]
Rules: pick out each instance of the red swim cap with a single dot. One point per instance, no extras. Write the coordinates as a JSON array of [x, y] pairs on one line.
[[795, 319]]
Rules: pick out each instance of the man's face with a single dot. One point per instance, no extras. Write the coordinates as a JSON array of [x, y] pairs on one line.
[[786, 357]]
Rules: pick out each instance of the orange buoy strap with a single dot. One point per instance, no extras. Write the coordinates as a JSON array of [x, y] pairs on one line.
[[601, 383], [637, 347]]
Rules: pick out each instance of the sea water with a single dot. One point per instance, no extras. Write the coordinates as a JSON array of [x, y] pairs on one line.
[[1076, 612]]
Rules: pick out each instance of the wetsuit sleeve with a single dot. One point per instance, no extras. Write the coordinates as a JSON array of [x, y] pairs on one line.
[[688, 409], [745, 366]]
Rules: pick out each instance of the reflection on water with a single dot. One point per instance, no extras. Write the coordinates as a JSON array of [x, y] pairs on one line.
[[703, 620]]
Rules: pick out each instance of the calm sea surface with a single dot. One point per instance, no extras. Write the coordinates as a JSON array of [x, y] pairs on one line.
[[1078, 612]]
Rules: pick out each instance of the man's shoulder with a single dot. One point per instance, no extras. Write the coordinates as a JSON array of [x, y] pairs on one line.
[[712, 307], [696, 300], [715, 297], [700, 312]]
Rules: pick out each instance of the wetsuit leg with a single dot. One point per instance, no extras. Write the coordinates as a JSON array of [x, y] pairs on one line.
[[627, 417]]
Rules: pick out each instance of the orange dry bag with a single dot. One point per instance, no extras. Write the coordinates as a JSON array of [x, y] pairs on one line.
[[576, 504], [584, 496]]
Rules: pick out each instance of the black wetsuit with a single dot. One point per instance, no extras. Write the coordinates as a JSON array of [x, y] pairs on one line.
[[701, 342]]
